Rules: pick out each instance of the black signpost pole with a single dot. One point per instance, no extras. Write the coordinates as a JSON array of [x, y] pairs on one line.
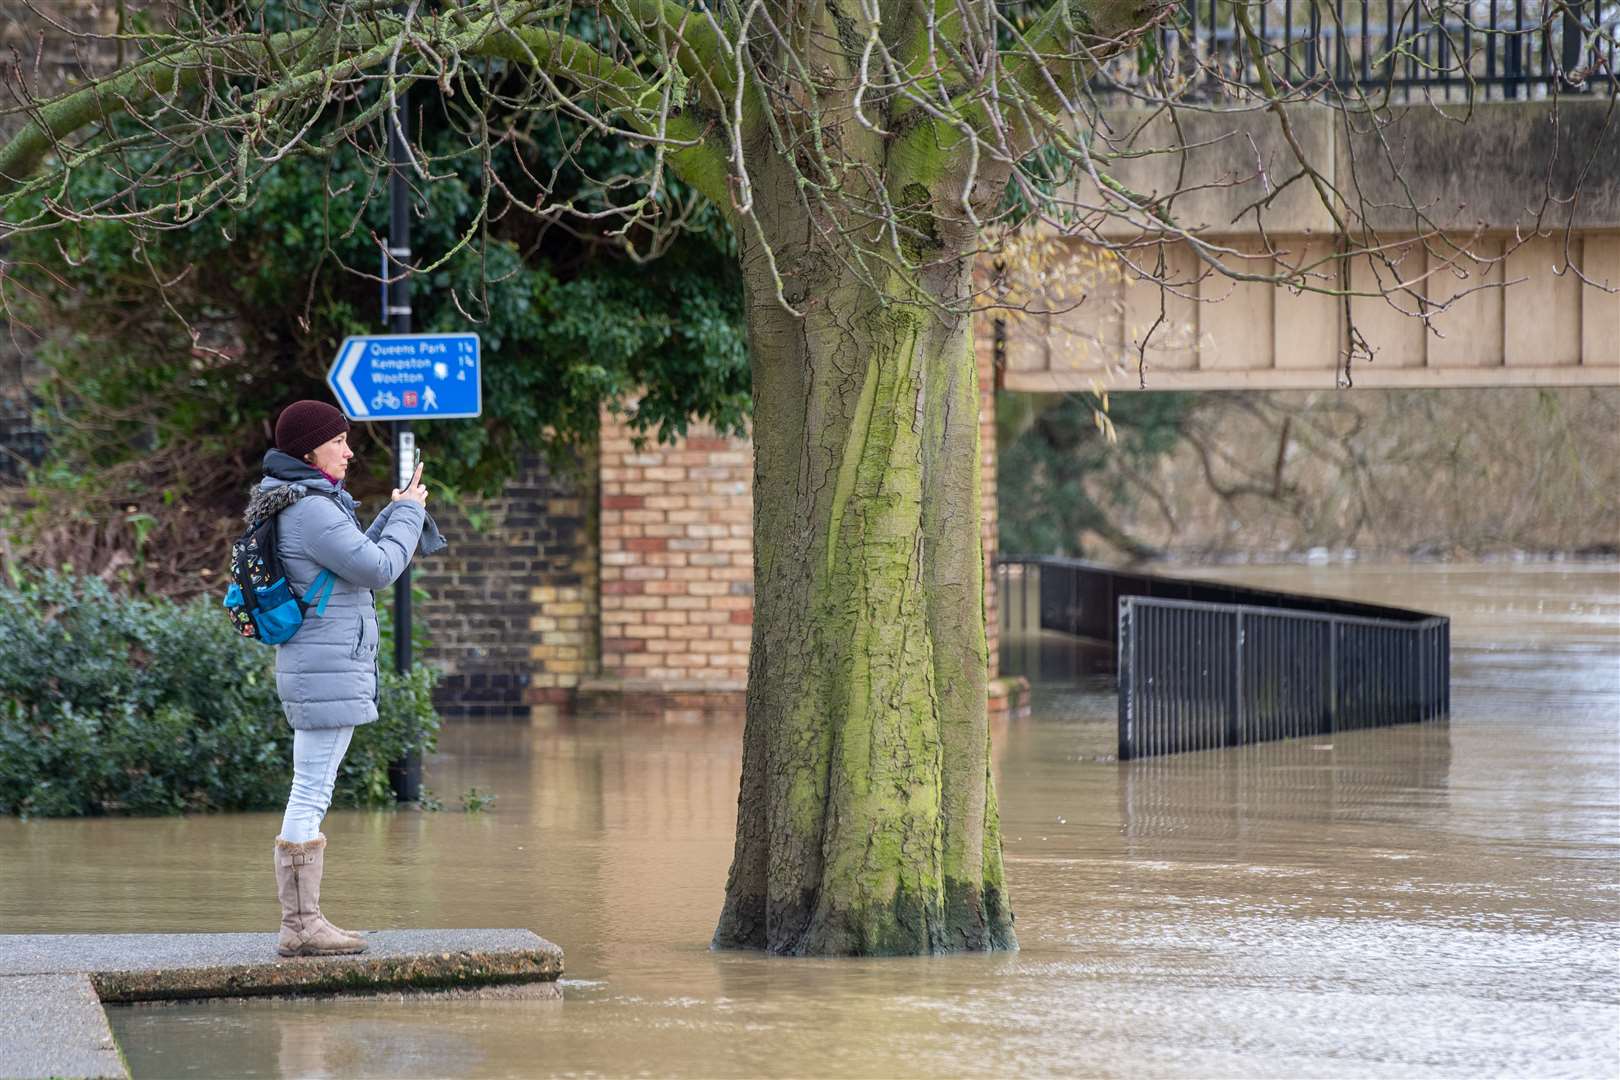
[[405, 775]]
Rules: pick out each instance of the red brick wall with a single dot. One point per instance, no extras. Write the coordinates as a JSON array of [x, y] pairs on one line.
[[677, 573]]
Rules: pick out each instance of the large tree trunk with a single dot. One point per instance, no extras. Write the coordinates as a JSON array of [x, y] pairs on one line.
[[867, 818]]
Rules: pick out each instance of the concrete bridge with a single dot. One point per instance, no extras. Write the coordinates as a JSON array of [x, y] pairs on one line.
[[1493, 215]]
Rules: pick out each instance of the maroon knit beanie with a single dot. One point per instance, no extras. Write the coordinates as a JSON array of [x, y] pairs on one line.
[[304, 425]]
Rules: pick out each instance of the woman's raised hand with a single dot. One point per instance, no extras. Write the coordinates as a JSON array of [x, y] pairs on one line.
[[414, 492]]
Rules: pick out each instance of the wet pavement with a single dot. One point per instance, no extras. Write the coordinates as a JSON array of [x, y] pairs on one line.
[[53, 986], [163, 967], [54, 1026], [1420, 901]]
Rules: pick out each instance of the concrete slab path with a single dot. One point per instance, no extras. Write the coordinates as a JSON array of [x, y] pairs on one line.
[[54, 1025], [52, 986]]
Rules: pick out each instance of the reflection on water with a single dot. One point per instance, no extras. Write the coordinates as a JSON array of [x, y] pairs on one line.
[[1419, 901], [1305, 784]]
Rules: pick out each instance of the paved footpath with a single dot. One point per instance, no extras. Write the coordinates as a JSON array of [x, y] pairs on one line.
[[52, 986]]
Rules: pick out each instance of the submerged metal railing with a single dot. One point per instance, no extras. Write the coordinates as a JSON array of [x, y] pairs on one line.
[[1203, 664], [1196, 676]]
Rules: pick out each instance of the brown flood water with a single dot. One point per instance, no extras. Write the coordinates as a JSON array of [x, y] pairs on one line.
[[1436, 901]]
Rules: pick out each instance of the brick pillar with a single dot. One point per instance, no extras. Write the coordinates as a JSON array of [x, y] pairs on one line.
[[677, 584]]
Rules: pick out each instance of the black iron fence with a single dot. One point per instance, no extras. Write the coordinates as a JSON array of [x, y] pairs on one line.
[[1203, 664], [1198, 676], [1443, 49]]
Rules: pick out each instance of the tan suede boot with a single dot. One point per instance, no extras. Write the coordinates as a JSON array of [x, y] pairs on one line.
[[304, 930]]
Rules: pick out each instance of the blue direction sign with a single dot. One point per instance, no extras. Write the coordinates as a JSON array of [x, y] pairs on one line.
[[408, 377]]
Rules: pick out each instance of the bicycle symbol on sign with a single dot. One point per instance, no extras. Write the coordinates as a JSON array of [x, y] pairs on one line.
[[385, 399]]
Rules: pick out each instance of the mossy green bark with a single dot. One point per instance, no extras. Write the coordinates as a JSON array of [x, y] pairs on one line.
[[867, 818]]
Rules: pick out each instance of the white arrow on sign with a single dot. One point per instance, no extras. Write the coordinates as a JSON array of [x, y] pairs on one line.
[[345, 377]]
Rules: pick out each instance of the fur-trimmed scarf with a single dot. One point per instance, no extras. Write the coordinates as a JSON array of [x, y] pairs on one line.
[[286, 480]]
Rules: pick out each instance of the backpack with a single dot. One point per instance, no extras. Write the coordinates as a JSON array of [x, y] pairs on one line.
[[260, 602]]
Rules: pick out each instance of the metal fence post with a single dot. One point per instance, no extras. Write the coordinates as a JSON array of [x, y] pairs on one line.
[[1127, 681], [1234, 728], [1571, 51], [1445, 638], [1332, 717]]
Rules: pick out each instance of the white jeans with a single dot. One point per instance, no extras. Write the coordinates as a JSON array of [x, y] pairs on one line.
[[316, 757]]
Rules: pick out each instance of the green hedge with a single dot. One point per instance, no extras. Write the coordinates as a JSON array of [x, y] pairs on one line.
[[110, 704]]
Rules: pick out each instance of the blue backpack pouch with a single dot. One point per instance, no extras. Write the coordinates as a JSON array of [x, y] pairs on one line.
[[260, 602]]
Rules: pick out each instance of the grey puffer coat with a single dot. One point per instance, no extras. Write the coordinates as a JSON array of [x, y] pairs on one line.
[[327, 673]]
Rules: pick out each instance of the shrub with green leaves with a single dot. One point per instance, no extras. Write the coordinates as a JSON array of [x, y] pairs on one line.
[[110, 704]]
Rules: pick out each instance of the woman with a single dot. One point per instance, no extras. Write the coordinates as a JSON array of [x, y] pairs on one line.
[[326, 674]]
